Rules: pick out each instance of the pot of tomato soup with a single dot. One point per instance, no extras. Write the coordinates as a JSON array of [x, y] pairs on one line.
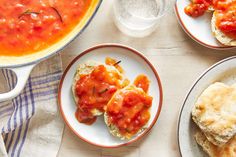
[[32, 31]]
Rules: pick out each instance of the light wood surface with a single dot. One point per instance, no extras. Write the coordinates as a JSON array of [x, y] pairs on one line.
[[179, 61]]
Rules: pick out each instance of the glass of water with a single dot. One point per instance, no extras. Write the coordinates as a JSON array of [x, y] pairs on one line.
[[138, 18]]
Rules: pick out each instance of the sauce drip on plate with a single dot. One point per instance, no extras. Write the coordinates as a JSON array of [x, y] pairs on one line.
[[142, 81], [28, 26], [225, 11], [128, 109]]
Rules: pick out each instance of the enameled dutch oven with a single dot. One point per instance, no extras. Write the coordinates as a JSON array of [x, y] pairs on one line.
[[22, 66]]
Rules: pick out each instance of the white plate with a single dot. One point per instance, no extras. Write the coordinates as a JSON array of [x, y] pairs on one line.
[[199, 28], [134, 64], [223, 71]]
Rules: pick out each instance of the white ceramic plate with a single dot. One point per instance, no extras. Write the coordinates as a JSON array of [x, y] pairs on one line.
[[199, 28], [134, 64], [223, 71]]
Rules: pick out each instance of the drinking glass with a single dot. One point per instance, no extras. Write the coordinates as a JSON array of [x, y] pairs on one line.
[[138, 18]]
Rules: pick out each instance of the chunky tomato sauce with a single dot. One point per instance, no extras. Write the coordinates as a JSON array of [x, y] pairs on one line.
[[28, 26], [142, 81], [95, 90], [225, 11], [197, 7], [226, 18], [129, 109]]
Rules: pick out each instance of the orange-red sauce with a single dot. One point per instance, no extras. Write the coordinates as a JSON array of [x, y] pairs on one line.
[[129, 110], [142, 81], [226, 18], [225, 11], [197, 7], [94, 91], [28, 26], [115, 63]]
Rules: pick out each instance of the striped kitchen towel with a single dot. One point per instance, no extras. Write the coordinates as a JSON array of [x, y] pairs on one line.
[[30, 124]]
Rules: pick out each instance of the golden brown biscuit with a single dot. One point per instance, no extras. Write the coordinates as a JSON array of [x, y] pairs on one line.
[[227, 150], [215, 113]]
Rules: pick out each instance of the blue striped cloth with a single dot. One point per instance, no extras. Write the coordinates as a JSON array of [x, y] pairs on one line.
[[33, 115]]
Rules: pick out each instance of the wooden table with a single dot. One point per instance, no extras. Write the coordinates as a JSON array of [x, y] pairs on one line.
[[179, 61]]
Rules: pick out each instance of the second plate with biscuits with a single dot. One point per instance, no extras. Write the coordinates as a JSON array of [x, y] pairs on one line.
[[207, 119]]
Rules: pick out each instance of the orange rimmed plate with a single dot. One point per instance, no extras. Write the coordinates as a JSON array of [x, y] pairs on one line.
[[134, 63], [199, 29]]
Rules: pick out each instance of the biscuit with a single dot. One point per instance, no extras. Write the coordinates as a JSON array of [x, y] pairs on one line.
[[227, 150], [215, 113], [219, 35]]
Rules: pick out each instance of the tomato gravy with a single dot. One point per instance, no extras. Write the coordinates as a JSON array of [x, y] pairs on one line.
[[28, 26]]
